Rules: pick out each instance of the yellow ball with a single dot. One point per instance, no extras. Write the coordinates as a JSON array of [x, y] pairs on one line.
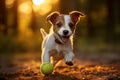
[[46, 68]]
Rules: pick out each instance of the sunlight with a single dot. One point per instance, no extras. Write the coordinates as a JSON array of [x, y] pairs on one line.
[[43, 6], [38, 2]]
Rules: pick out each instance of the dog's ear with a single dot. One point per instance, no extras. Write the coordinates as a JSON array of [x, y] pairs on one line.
[[52, 17], [75, 15]]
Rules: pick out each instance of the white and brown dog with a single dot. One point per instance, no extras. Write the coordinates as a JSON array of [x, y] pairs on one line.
[[57, 45]]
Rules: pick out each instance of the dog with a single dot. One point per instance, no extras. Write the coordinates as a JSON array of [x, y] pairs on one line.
[[57, 45]]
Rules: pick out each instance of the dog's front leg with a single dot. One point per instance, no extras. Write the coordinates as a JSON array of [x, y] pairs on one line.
[[68, 58], [45, 55]]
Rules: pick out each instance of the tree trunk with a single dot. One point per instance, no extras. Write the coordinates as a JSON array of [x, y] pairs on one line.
[[90, 28], [110, 21], [15, 24], [68, 5], [33, 25], [3, 18]]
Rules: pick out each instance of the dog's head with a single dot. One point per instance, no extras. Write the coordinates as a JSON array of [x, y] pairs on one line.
[[64, 25]]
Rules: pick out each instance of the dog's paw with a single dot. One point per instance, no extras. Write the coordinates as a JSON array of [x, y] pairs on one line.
[[69, 63]]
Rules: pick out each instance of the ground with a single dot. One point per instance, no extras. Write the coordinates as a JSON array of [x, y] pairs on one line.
[[26, 66]]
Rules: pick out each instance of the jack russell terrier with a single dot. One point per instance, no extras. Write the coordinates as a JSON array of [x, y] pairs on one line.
[[57, 45]]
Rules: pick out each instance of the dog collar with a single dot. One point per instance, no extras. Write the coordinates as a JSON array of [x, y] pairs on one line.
[[58, 42], [57, 39]]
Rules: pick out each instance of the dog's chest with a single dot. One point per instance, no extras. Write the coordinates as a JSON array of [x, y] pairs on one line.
[[58, 51]]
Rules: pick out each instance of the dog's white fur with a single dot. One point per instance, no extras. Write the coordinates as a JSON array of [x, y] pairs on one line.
[[51, 49], [66, 27]]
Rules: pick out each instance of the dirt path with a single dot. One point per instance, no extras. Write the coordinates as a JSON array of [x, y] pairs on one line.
[[26, 67]]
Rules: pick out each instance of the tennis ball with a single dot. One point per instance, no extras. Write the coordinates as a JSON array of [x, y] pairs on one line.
[[46, 68]]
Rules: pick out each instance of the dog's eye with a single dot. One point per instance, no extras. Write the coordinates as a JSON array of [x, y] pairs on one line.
[[59, 24], [71, 24]]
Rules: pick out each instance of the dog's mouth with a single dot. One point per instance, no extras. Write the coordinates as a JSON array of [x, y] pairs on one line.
[[65, 38]]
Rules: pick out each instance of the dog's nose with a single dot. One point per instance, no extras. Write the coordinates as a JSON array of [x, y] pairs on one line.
[[65, 32]]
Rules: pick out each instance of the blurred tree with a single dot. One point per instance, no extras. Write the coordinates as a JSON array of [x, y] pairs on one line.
[[68, 5], [94, 21], [90, 29], [15, 13], [3, 23], [117, 20], [33, 25], [110, 21]]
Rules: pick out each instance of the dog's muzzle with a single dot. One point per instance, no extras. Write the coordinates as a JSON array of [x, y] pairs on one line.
[[65, 36], [65, 32]]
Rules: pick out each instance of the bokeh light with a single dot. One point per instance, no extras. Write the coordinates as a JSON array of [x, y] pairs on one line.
[[42, 7], [24, 18], [9, 3], [25, 8], [38, 2]]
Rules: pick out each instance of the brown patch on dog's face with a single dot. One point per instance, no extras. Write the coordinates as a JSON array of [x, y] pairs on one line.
[[58, 23], [72, 26], [57, 20]]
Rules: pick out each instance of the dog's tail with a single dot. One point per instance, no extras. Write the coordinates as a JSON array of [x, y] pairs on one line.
[[44, 34]]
